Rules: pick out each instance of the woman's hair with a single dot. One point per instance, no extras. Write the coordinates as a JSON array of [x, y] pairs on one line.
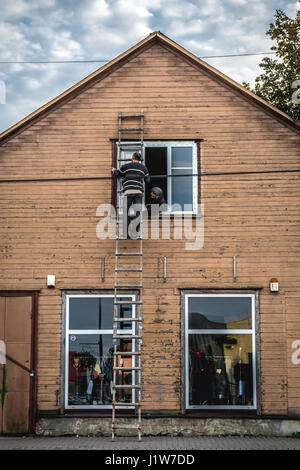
[[157, 191]]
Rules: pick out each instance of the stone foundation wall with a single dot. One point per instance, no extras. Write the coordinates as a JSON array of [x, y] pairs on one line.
[[169, 427]]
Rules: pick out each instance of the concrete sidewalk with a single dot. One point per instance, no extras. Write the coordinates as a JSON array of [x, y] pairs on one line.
[[150, 443]]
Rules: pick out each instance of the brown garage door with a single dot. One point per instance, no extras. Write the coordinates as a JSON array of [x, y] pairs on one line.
[[16, 316]]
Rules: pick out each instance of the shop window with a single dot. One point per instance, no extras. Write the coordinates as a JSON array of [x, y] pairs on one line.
[[89, 352], [172, 167], [220, 351]]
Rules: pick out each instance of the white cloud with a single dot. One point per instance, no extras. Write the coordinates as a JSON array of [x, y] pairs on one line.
[[238, 2], [95, 11], [178, 28], [24, 8], [102, 29], [64, 47], [33, 83], [14, 45], [133, 10]]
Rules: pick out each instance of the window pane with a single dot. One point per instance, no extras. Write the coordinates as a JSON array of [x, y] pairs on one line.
[[94, 313], [90, 370], [220, 370], [182, 156], [182, 188], [220, 313]]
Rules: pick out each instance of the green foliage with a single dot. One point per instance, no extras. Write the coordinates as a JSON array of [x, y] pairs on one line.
[[280, 80]]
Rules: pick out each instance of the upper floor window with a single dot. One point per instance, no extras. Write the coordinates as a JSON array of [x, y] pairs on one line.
[[173, 168]]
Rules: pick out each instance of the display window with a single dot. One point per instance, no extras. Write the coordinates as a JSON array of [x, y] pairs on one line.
[[220, 364], [89, 351]]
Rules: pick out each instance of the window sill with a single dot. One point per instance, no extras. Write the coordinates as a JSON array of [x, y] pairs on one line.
[[97, 413]]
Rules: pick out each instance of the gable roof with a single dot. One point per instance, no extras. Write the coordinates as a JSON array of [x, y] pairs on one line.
[[163, 40]]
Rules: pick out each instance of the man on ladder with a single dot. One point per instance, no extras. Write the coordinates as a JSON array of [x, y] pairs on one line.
[[133, 174]]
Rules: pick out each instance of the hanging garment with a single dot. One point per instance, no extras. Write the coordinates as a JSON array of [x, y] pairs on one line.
[[97, 370], [201, 380]]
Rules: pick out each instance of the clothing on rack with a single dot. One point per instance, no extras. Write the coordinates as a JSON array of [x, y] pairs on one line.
[[201, 377]]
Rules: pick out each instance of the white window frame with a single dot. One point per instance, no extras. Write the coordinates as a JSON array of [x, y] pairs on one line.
[[94, 332], [215, 332], [169, 145]]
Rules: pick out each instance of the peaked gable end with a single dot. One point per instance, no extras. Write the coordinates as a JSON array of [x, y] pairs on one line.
[[154, 38]]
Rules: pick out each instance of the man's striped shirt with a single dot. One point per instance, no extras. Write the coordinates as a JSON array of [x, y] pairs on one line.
[[133, 174]]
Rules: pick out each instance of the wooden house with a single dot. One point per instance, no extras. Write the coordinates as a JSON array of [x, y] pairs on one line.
[[220, 340]]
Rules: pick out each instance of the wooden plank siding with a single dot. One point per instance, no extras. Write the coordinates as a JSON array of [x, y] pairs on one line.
[[49, 227]]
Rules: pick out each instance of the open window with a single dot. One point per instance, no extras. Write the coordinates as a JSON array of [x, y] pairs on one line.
[[172, 167]]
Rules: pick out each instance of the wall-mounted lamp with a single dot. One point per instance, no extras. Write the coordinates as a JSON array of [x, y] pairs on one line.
[[274, 285], [51, 280]]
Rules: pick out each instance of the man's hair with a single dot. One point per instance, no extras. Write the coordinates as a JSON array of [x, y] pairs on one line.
[[137, 156]]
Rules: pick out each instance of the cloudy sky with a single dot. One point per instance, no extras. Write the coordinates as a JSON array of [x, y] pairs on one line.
[[57, 30]]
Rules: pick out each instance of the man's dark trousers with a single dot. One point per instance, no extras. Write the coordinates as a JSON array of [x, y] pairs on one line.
[[133, 199]]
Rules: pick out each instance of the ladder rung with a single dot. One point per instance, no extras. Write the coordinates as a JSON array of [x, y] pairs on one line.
[[127, 368], [116, 320], [131, 129], [128, 286], [131, 144], [126, 404], [127, 337], [128, 269], [124, 238], [127, 386], [129, 254], [128, 302], [127, 353], [127, 426], [129, 115]]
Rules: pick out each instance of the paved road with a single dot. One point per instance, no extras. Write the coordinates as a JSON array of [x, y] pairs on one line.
[[149, 443]]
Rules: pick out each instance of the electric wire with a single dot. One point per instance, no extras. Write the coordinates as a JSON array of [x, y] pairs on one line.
[[99, 178], [83, 61]]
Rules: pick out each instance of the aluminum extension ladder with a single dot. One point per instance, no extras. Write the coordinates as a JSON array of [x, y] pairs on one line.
[[135, 338]]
